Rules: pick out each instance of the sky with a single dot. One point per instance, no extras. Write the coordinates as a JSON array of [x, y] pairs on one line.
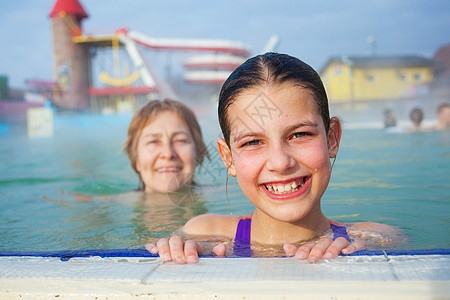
[[313, 31]]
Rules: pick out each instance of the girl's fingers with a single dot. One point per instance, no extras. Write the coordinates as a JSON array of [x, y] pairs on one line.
[[176, 249], [289, 249], [355, 246], [318, 250], [176, 245], [303, 251], [219, 250], [191, 251], [181, 252], [152, 248], [164, 249], [335, 248], [325, 248]]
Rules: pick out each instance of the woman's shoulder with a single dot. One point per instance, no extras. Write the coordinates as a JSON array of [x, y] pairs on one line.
[[212, 224]]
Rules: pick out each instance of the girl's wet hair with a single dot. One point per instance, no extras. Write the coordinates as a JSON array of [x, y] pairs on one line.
[[145, 115], [271, 69]]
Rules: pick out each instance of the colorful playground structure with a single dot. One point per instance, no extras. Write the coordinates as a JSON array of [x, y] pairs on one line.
[[129, 79]]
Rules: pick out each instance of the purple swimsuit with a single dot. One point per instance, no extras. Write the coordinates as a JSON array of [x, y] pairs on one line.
[[242, 238]]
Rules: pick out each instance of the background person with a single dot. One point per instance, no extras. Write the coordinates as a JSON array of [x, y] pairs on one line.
[[165, 145], [443, 115], [389, 118], [416, 118]]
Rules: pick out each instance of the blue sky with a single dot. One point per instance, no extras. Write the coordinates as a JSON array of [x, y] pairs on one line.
[[310, 30]]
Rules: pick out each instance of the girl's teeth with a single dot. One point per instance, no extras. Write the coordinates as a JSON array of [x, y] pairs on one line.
[[284, 189], [287, 187]]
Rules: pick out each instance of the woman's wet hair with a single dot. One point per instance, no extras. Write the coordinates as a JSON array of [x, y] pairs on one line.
[[271, 69], [145, 115]]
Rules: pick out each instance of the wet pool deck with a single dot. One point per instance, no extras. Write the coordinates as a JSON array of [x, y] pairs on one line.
[[353, 277]]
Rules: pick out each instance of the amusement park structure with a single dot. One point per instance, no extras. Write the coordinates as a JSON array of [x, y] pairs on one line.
[[79, 87]]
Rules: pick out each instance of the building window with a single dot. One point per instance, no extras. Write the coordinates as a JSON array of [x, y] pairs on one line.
[[338, 70], [418, 77], [371, 78], [402, 77]]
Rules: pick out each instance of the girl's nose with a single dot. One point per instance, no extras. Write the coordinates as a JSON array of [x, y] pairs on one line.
[[280, 159]]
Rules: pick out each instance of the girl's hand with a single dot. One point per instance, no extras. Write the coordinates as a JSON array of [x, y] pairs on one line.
[[179, 251], [325, 248]]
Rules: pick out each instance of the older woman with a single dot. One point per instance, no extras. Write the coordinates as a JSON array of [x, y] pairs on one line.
[[165, 145]]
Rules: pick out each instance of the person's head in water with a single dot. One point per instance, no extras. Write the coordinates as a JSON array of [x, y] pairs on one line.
[[165, 145], [416, 117], [389, 118], [284, 152], [443, 114]]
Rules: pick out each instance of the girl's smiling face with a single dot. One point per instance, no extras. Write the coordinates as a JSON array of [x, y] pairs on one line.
[[166, 158], [282, 160]]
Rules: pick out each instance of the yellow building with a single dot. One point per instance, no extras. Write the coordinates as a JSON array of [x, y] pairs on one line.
[[353, 78]]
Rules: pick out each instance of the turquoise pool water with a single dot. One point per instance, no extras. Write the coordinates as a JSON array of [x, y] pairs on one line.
[[52, 189]]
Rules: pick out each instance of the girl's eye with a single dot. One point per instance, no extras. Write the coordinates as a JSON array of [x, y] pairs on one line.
[[152, 142], [300, 134], [252, 143]]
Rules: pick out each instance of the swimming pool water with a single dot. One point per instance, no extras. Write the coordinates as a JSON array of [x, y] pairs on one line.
[[52, 189]]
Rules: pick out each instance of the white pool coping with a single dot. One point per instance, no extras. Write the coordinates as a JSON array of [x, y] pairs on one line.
[[357, 277]]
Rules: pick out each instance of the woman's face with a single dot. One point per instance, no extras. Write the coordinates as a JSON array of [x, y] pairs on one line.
[[166, 154], [279, 150]]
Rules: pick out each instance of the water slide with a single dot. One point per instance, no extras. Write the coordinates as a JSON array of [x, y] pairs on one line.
[[232, 47], [220, 59], [215, 68], [137, 59], [149, 76], [227, 56]]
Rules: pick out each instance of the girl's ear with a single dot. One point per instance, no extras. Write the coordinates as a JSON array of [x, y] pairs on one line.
[[334, 137], [225, 154]]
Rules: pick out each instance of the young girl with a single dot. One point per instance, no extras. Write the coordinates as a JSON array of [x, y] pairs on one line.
[[278, 142]]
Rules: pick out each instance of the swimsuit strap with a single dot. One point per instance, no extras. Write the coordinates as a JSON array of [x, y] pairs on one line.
[[242, 237], [339, 230], [243, 229]]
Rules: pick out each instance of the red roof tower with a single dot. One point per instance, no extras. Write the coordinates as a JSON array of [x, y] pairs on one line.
[[70, 59], [70, 7]]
